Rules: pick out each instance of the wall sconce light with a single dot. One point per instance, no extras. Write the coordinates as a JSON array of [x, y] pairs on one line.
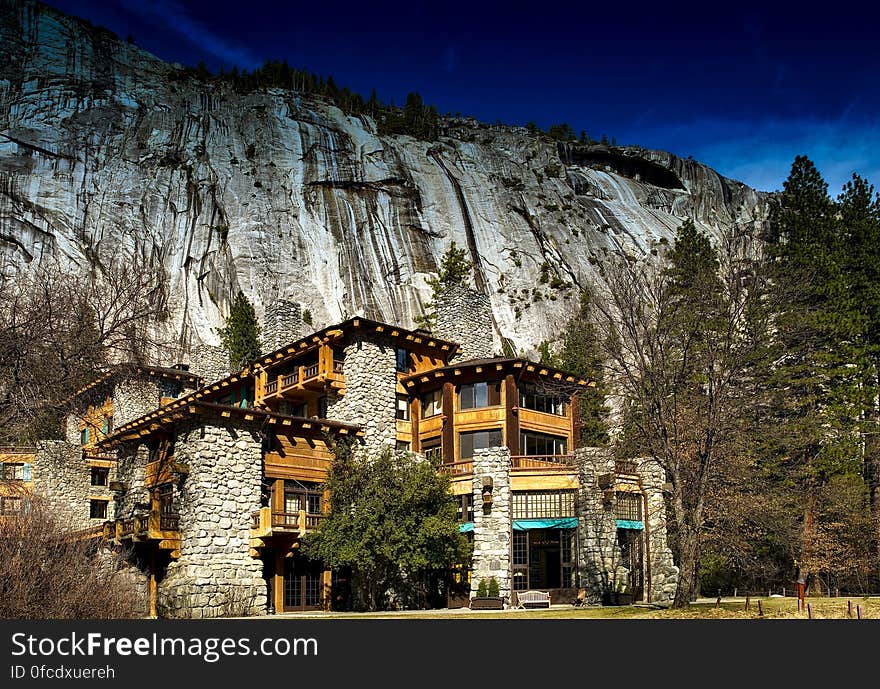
[[488, 484]]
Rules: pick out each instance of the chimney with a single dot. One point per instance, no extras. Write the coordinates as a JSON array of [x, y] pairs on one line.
[[465, 316], [209, 362], [282, 324]]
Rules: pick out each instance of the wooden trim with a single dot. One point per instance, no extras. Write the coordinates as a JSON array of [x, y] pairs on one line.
[[511, 420], [447, 441]]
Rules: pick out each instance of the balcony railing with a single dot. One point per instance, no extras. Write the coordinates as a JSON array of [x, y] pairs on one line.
[[271, 387], [141, 525], [458, 468], [626, 467], [169, 521], [310, 371], [337, 366], [542, 461], [286, 520], [290, 379], [313, 521], [126, 528]]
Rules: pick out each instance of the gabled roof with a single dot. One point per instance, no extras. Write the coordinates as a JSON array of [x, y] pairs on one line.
[[496, 365], [358, 323], [120, 370]]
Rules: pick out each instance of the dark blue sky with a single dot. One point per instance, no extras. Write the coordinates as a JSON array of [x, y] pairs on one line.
[[743, 87]]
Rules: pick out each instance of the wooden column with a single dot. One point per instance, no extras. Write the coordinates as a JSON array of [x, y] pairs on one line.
[[574, 414], [415, 412], [153, 584], [448, 434], [511, 417], [278, 582]]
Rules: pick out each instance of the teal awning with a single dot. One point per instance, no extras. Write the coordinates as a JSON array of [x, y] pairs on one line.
[[467, 526], [527, 524], [628, 524]]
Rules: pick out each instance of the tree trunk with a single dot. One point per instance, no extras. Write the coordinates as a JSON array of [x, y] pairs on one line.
[[689, 561]]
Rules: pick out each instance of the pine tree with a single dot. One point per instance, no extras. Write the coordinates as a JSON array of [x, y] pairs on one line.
[[241, 334], [455, 270]]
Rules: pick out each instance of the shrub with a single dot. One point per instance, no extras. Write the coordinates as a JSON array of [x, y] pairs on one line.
[[482, 589], [494, 591]]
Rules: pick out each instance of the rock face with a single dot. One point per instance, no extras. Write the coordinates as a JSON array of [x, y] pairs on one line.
[[109, 152]]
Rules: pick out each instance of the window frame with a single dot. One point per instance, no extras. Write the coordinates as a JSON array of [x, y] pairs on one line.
[[93, 502], [432, 399], [94, 470], [405, 410], [492, 390], [471, 434]]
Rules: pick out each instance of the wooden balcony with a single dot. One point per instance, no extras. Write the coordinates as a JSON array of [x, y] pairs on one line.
[[543, 462], [162, 528], [266, 523], [312, 377]]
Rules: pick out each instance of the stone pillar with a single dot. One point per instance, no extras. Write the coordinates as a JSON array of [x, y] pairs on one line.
[[492, 526], [282, 324], [664, 574], [131, 469], [132, 398], [209, 362], [215, 575], [370, 398], [465, 316], [62, 484], [600, 561]]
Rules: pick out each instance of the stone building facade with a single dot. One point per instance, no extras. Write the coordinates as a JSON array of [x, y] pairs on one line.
[[492, 519], [282, 323]]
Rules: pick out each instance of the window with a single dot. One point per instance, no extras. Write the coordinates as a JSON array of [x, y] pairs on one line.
[[540, 444], [302, 496], [98, 509], [402, 408], [432, 403], [17, 472], [84, 436], [477, 440], [629, 506], [100, 476], [543, 504], [520, 560], [107, 425], [10, 506], [403, 364], [465, 507], [476, 395], [531, 398], [402, 446], [432, 450]]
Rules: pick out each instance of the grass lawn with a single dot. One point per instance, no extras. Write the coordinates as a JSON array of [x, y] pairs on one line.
[[731, 608]]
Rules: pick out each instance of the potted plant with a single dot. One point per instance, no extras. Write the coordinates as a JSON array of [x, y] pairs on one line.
[[619, 595], [488, 596]]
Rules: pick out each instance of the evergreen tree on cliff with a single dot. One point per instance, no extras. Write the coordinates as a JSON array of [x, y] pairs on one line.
[[241, 335]]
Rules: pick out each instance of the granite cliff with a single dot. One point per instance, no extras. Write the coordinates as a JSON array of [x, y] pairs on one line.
[[107, 151]]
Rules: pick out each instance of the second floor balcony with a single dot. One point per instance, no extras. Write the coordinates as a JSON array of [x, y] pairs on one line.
[[267, 522]]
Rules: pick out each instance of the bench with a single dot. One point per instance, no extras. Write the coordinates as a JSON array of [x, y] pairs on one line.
[[532, 599]]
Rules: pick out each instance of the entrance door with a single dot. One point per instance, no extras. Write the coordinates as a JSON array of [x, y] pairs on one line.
[[303, 580], [632, 557]]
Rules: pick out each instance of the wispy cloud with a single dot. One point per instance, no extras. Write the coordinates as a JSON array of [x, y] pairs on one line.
[[174, 16]]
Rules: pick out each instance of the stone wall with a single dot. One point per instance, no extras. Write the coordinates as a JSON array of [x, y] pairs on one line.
[[600, 561], [215, 575], [133, 397], [664, 573], [210, 362], [370, 390], [62, 483], [282, 324], [492, 526], [465, 316], [131, 470]]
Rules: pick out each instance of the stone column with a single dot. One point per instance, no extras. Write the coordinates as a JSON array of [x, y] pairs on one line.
[[465, 316], [131, 469], [215, 575], [370, 391], [664, 574], [492, 526], [282, 324], [599, 561]]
